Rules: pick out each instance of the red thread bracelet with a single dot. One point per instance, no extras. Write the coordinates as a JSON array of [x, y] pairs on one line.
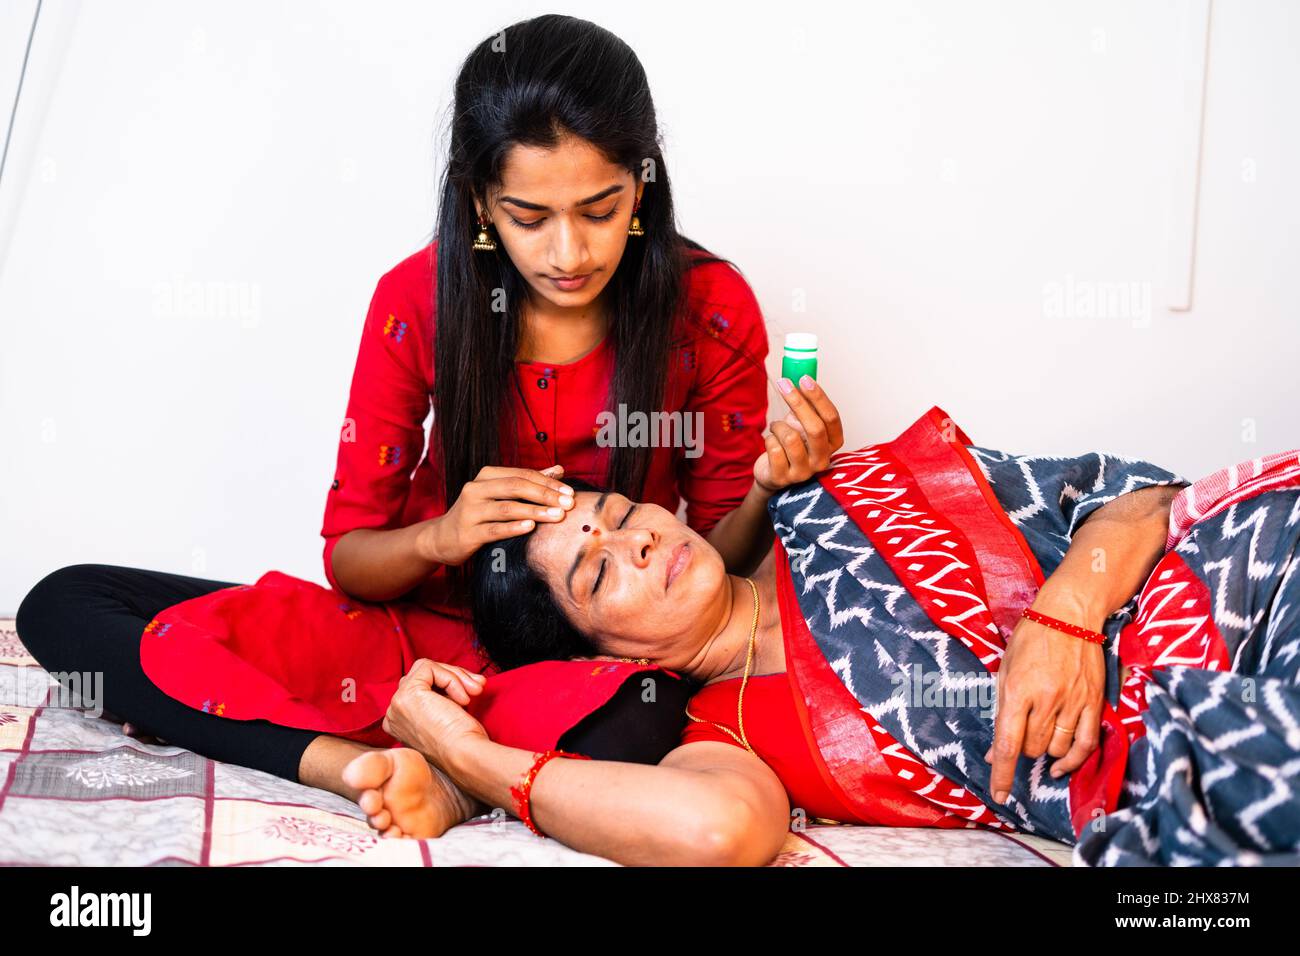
[[1095, 637], [523, 792]]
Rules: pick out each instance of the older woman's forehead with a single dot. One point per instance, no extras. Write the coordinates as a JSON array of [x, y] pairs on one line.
[[584, 504], [547, 533]]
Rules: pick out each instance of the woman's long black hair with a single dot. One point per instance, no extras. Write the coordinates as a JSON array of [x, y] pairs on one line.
[[529, 85], [517, 619]]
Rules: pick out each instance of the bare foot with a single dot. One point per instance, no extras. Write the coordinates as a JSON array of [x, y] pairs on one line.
[[404, 796]]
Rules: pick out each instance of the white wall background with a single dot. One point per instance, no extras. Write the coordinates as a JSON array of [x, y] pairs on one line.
[[918, 177]]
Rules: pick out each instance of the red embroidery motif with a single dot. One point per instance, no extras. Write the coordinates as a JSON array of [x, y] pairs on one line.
[[156, 629], [394, 328]]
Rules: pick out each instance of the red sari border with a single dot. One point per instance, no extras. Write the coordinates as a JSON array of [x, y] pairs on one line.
[[837, 728], [933, 491]]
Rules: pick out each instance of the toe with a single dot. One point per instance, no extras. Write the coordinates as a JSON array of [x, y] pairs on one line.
[[371, 802], [368, 771]]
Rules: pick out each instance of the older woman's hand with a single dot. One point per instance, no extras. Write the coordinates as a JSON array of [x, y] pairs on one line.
[[427, 711], [800, 445], [1052, 686], [1050, 691]]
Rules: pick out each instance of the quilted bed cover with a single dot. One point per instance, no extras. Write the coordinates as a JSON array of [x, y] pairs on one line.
[[76, 791]]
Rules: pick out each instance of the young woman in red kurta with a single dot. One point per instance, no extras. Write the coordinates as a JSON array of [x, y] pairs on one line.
[[554, 171], [715, 372]]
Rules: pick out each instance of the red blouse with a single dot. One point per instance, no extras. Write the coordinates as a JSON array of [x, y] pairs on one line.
[[774, 727], [385, 477]]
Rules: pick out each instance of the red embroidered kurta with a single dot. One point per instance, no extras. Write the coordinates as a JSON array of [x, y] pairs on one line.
[[293, 652], [386, 479]]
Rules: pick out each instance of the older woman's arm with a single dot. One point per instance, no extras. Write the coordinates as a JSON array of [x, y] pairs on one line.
[[1049, 679], [705, 804]]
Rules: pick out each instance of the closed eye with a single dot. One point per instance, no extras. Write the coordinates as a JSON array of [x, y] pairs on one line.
[[538, 222], [601, 575]]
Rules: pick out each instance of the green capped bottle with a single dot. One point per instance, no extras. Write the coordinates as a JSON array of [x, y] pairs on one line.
[[800, 356]]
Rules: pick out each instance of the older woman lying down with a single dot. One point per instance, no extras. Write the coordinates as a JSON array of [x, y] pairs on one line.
[[940, 635]]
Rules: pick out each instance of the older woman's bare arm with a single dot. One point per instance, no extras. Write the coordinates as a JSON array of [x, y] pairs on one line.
[[705, 804]]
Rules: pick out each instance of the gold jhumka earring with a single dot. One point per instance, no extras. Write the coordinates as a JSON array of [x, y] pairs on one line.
[[484, 242], [634, 227]]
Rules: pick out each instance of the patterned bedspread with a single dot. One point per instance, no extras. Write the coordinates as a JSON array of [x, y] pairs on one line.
[[76, 790]]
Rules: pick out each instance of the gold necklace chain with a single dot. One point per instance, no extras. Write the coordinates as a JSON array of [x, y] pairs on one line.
[[740, 699]]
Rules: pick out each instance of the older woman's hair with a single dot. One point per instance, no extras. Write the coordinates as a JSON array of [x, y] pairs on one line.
[[516, 618]]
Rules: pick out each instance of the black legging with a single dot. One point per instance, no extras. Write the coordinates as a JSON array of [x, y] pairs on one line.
[[89, 618]]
